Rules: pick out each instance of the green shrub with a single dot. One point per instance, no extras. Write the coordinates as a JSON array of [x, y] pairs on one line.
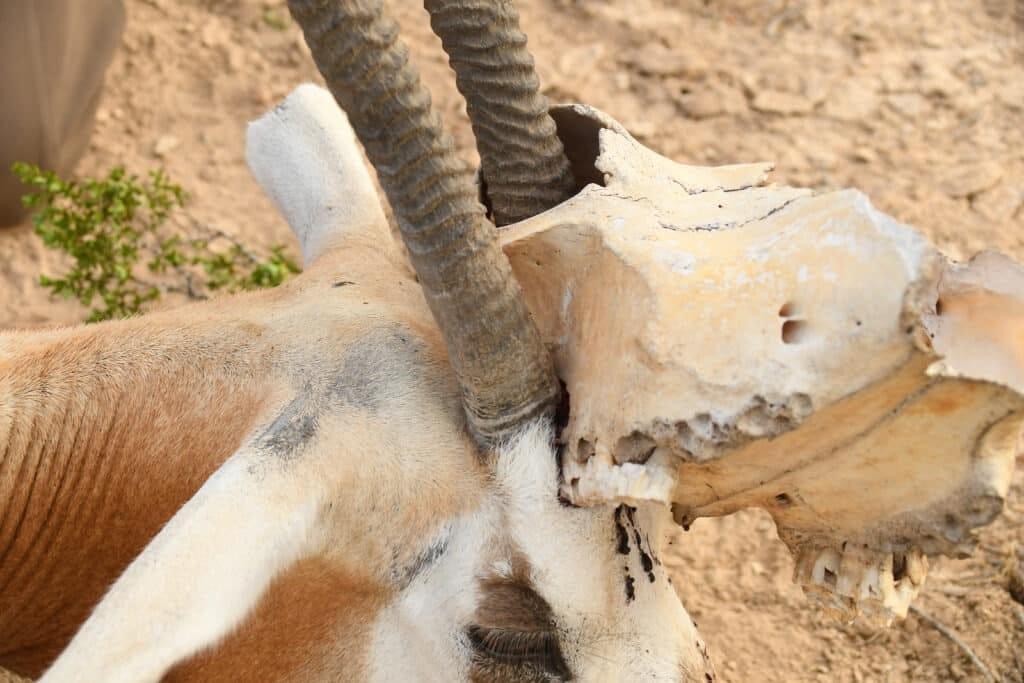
[[108, 226]]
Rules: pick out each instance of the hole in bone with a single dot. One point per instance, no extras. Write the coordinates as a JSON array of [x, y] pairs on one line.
[[636, 448], [787, 310], [952, 528], [701, 425], [938, 307], [794, 331], [899, 567], [580, 137], [783, 500], [830, 577], [584, 450]]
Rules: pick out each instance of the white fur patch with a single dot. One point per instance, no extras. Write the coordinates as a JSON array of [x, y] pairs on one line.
[[197, 579], [304, 155]]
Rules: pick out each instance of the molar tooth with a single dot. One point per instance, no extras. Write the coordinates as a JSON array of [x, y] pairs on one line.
[[826, 567], [869, 589], [803, 567], [850, 572], [917, 567]]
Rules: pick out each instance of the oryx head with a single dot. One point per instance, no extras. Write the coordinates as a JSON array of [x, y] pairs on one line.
[[723, 344]]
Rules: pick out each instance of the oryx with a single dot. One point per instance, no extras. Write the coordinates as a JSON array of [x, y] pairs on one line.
[[373, 472], [321, 482]]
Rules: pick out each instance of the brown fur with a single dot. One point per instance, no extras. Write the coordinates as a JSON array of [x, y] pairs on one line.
[[106, 431], [92, 466], [301, 631]]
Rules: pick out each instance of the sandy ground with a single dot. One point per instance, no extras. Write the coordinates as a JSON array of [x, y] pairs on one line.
[[920, 104]]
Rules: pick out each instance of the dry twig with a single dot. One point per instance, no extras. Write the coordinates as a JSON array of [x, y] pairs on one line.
[[955, 639]]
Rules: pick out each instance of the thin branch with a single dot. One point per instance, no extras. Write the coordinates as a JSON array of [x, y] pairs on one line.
[[216, 233], [189, 289], [955, 639]]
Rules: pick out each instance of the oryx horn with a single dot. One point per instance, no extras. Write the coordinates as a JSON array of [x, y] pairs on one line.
[[504, 370]]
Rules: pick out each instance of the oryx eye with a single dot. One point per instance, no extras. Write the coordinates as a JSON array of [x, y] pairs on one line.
[[537, 648], [515, 636]]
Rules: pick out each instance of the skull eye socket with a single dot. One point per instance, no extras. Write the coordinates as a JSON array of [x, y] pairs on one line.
[[538, 649]]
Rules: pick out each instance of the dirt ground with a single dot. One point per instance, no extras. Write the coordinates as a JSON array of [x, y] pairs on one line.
[[920, 104]]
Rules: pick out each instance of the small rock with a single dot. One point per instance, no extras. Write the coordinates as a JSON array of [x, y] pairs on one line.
[[580, 62], [851, 100], [102, 115], [214, 34], [864, 155], [709, 99], [262, 95], [234, 56], [999, 203], [1015, 582], [1011, 94], [971, 179], [210, 174], [777, 102], [909, 104], [165, 144], [940, 81], [657, 60]]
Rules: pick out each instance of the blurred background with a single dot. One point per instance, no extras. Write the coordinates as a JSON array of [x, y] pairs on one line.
[[920, 104]]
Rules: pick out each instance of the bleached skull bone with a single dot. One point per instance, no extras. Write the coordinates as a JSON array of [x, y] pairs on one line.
[[727, 344]]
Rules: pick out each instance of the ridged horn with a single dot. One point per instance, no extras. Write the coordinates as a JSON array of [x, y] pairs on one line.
[[522, 161], [502, 366]]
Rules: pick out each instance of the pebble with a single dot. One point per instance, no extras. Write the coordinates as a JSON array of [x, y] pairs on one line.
[[214, 34], [908, 104], [970, 179], [657, 60], [580, 62], [851, 100], [165, 144], [777, 102], [710, 99], [999, 203], [864, 155]]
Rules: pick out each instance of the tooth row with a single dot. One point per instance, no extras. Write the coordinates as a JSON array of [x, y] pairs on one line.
[[600, 480], [856, 581]]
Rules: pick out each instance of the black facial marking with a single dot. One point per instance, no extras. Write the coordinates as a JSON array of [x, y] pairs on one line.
[[620, 531], [375, 371], [402, 576], [654, 556], [645, 559], [290, 431], [370, 366], [631, 514], [630, 589]]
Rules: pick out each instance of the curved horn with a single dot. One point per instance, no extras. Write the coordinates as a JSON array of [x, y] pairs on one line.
[[521, 157], [503, 368]]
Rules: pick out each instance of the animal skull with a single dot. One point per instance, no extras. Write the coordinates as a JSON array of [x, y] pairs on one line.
[[729, 344]]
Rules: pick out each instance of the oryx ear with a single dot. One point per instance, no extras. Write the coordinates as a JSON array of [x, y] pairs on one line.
[[304, 155]]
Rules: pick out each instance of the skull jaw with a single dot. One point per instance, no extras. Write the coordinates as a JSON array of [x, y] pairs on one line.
[[728, 345]]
